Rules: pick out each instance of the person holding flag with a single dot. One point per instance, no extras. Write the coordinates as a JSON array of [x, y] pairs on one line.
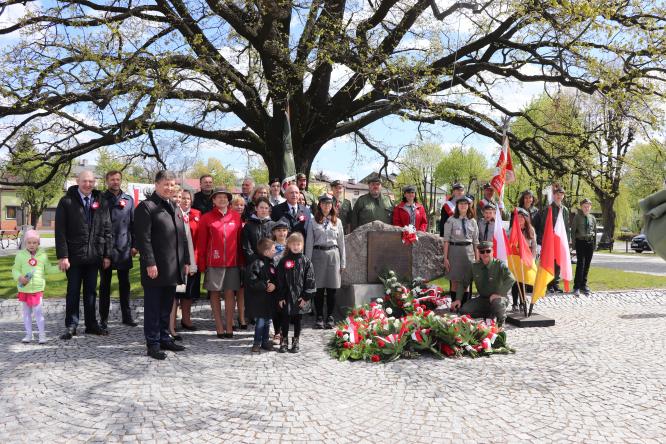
[[487, 200], [522, 251], [556, 207]]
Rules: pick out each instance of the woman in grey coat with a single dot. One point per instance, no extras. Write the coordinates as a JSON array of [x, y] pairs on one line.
[[461, 236], [325, 247]]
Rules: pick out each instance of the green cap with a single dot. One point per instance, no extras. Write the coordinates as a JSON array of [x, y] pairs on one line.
[[485, 245]]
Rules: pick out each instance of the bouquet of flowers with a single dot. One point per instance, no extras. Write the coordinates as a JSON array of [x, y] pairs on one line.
[[376, 332], [409, 235], [400, 299]]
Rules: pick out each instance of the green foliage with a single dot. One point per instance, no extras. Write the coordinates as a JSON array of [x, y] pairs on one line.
[[25, 166], [417, 167], [462, 164], [222, 176]]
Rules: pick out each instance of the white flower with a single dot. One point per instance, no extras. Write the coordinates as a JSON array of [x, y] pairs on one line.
[[404, 296], [388, 291], [416, 289], [391, 319], [379, 300], [396, 324], [388, 310], [345, 337], [368, 341]]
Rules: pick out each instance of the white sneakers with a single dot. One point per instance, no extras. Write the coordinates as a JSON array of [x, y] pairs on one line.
[[28, 338]]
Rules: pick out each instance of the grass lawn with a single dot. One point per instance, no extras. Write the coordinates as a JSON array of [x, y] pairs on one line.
[[56, 284], [601, 279]]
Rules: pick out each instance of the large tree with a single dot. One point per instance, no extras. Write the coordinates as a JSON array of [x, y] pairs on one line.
[[91, 73]]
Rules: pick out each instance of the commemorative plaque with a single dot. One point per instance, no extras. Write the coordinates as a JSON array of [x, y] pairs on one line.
[[387, 252]]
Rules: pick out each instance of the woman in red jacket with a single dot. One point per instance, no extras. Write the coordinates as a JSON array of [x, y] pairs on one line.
[[409, 211], [218, 255], [191, 218]]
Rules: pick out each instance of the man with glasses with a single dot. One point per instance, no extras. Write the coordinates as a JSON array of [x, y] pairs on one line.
[[493, 280]]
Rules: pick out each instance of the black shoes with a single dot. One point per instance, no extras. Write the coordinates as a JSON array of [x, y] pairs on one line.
[[330, 322], [294, 345], [243, 326], [319, 323], [177, 337], [284, 345], [188, 327], [268, 346], [130, 322], [255, 348], [97, 330], [103, 325], [171, 346], [69, 333], [225, 335], [155, 353]]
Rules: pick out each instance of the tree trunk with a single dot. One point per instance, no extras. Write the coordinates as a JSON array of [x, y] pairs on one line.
[[35, 214], [608, 216]]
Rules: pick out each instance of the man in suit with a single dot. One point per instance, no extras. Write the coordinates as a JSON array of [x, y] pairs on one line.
[[83, 240], [121, 211], [162, 243], [201, 201], [297, 215]]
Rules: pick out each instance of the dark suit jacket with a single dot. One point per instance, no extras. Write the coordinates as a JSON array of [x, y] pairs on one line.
[[121, 210], [159, 234], [298, 223], [76, 239]]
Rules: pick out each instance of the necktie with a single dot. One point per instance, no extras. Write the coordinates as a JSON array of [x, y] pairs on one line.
[[485, 232], [86, 206], [464, 227], [293, 211]]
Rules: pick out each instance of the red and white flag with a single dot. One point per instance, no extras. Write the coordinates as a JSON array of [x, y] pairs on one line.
[[503, 174], [562, 255]]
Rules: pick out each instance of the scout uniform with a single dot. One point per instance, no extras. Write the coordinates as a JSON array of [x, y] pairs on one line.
[[583, 230], [483, 202], [343, 208], [487, 229], [462, 234], [368, 209], [491, 278]]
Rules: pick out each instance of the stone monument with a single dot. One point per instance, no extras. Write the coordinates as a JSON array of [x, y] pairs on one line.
[[377, 247]]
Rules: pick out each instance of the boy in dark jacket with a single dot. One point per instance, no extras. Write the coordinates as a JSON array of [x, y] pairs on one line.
[[260, 280], [296, 286]]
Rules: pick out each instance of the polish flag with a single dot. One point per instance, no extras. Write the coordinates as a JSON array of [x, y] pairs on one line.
[[562, 255]]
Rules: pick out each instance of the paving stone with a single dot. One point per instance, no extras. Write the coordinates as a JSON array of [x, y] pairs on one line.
[[597, 375]]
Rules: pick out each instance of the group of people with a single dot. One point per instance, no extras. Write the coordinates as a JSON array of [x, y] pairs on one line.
[[273, 253], [469, 243]]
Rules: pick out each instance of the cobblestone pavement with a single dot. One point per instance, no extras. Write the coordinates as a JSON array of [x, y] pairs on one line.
[[597, 376]]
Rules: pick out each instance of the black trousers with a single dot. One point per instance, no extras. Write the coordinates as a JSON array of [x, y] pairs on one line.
[[515, 292], [78, 275], [157, 302], [555, 283], [330, 301], [584, 252], [284, 324], [105, 293]]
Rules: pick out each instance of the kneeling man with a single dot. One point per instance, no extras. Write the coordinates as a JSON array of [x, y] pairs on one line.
[[493, 280]]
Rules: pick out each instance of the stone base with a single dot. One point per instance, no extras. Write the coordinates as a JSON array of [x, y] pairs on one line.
[[536, 320], [350, 296]]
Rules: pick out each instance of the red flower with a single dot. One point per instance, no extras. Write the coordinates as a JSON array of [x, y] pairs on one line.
[[339, 333], [373, 304], [289, 264], [95, 205], [301, 218], [361, 312], [122, 203], [448, 351], [458, 339], [376, 358], [347, 345], [381, 344], [196, 218], [32, 262]]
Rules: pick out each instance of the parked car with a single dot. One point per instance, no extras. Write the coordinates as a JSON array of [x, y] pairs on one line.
[[640, 244]]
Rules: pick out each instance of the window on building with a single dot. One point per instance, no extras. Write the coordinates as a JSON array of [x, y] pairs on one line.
[[11, 213]]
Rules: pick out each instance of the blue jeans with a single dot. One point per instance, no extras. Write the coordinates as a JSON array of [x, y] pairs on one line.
[[77, 275], [157, 302], [262, 331]]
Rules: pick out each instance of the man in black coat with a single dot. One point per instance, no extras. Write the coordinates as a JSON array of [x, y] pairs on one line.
[[162, 243], [83, 241], [121, 211], [201, 200], [297, 215]]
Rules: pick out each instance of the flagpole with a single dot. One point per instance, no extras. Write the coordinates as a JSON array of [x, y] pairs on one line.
[[522, 272]]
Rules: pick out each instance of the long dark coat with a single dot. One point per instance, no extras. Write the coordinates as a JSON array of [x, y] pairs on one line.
[[258, 302], [121, 211], [76, 239], [161, 240], [296, 280]]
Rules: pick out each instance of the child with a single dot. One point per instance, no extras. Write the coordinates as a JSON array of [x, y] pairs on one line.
[[30, 268], [280, 230], [260, 280], [296, 286]]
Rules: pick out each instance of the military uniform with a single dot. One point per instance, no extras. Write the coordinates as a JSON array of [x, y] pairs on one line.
[[493, 278], [368, 209], [584, 232], [343, 209]]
